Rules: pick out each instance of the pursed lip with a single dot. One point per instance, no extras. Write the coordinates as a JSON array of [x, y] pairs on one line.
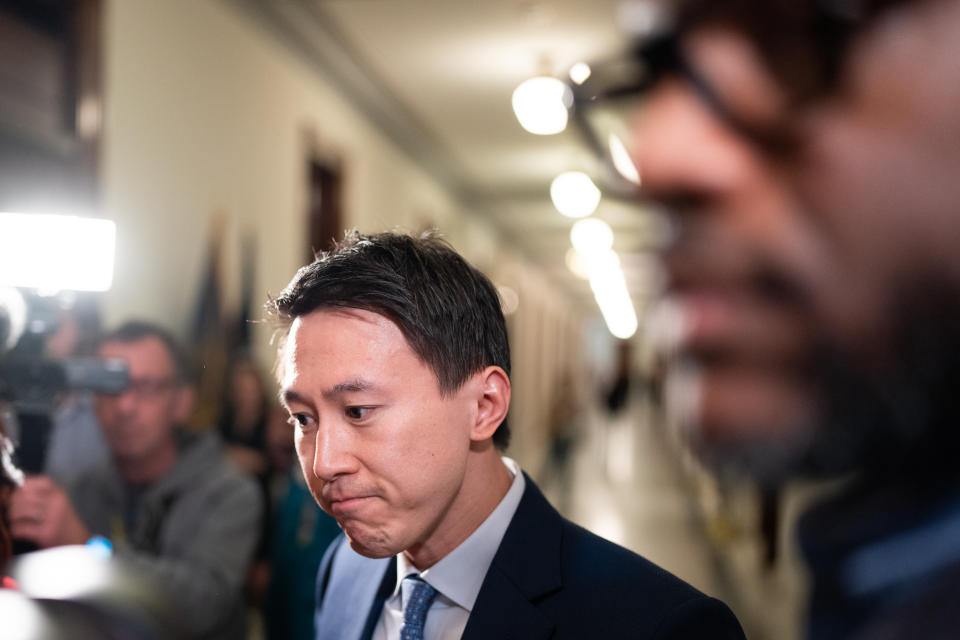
[[345, 504], [341, 496]]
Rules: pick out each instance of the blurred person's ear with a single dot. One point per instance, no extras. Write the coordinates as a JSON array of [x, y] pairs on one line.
[[184, 400]]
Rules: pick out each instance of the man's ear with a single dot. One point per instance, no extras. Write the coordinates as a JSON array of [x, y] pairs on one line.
[[492, 402], [183, 404]]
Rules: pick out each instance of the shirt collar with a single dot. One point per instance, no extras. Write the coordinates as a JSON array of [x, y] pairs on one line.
[[459, 574]]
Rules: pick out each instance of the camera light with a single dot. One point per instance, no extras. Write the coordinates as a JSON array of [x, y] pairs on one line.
[[56, 252]]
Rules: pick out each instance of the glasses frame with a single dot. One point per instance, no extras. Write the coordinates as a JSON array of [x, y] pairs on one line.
[[834, 25]]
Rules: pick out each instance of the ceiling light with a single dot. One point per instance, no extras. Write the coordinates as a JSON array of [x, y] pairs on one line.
[[610, 291], [541, 105], [580, 72], [591, 236], [574, 194]]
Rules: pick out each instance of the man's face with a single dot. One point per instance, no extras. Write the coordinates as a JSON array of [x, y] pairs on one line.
[[140, 421], [780, 255], [382, 450]]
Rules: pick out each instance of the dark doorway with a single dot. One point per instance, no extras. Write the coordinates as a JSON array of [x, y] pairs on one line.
[[325, 207], [50, 104]]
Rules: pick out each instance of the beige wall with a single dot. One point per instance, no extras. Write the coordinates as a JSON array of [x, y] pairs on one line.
[[207, 113]]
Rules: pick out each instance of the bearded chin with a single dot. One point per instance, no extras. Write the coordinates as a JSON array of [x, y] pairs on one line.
[[897, 421], [770, 452]]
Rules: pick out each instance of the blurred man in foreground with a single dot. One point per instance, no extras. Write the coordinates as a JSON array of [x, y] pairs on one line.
[[172, 506], [395, 372], [809, 151]]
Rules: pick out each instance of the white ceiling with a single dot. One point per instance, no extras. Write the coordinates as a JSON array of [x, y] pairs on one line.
[[437, 76]]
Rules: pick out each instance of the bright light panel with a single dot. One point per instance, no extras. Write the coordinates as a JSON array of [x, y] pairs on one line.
[[610, 292], [591, 236], [56, 253], [574, 194], [609, 288], [541, 105]]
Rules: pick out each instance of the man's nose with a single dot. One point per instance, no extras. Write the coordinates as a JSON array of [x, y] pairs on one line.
[[334, 452], [126, 402], [682, 150]]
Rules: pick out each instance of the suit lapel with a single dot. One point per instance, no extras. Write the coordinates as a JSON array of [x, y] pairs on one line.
[[354, 596], [525, 569], [501, 611]]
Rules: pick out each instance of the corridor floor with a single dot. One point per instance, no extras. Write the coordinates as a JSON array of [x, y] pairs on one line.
[[631, 484]]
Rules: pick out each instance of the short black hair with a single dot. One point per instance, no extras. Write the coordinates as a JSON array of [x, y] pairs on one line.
[[136, 330], [448, 311]]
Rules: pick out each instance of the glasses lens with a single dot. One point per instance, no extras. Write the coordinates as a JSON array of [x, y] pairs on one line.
[[606, 125]]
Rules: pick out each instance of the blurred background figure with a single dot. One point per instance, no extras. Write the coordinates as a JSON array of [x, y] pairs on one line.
[[243, 418], [172, 508], [74, 592], [565, 428], [299, 535], [618, 390], [242, 427]]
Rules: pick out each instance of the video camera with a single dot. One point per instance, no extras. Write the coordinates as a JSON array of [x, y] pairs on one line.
[[32, 382]]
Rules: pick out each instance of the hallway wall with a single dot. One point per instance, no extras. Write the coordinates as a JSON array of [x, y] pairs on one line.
[[207, 114]]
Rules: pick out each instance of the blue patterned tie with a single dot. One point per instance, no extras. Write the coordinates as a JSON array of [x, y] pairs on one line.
[[415, 611]]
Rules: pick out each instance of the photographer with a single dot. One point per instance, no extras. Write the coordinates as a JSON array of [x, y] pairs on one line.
[[170, 502]]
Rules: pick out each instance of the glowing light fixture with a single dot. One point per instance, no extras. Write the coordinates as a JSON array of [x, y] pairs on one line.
[[580, 72], [574, 194], [55, 252], [541, 105], [610, 292], [601, 265], [591, 236]]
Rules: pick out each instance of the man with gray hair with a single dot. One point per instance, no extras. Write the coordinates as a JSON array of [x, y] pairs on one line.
[[175, 511]]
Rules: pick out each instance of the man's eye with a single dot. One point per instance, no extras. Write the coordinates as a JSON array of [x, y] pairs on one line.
[[357, 413], [300, 420]]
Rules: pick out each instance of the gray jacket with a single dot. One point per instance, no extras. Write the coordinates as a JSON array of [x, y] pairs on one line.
[[193, 534]]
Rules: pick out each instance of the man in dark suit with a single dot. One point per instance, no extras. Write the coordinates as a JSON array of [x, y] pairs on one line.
[[395, 371]]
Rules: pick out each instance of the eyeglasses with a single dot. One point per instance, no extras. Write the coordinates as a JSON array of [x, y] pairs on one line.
[[614, 92], [147, 388]]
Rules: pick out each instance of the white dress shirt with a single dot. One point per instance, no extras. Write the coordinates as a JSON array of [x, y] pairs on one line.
[[457, 577]]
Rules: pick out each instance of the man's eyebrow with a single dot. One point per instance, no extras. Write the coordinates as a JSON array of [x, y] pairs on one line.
[[288, 396], [357, 385]]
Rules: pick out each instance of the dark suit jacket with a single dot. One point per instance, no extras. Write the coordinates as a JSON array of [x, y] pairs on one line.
[[549, 579]]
